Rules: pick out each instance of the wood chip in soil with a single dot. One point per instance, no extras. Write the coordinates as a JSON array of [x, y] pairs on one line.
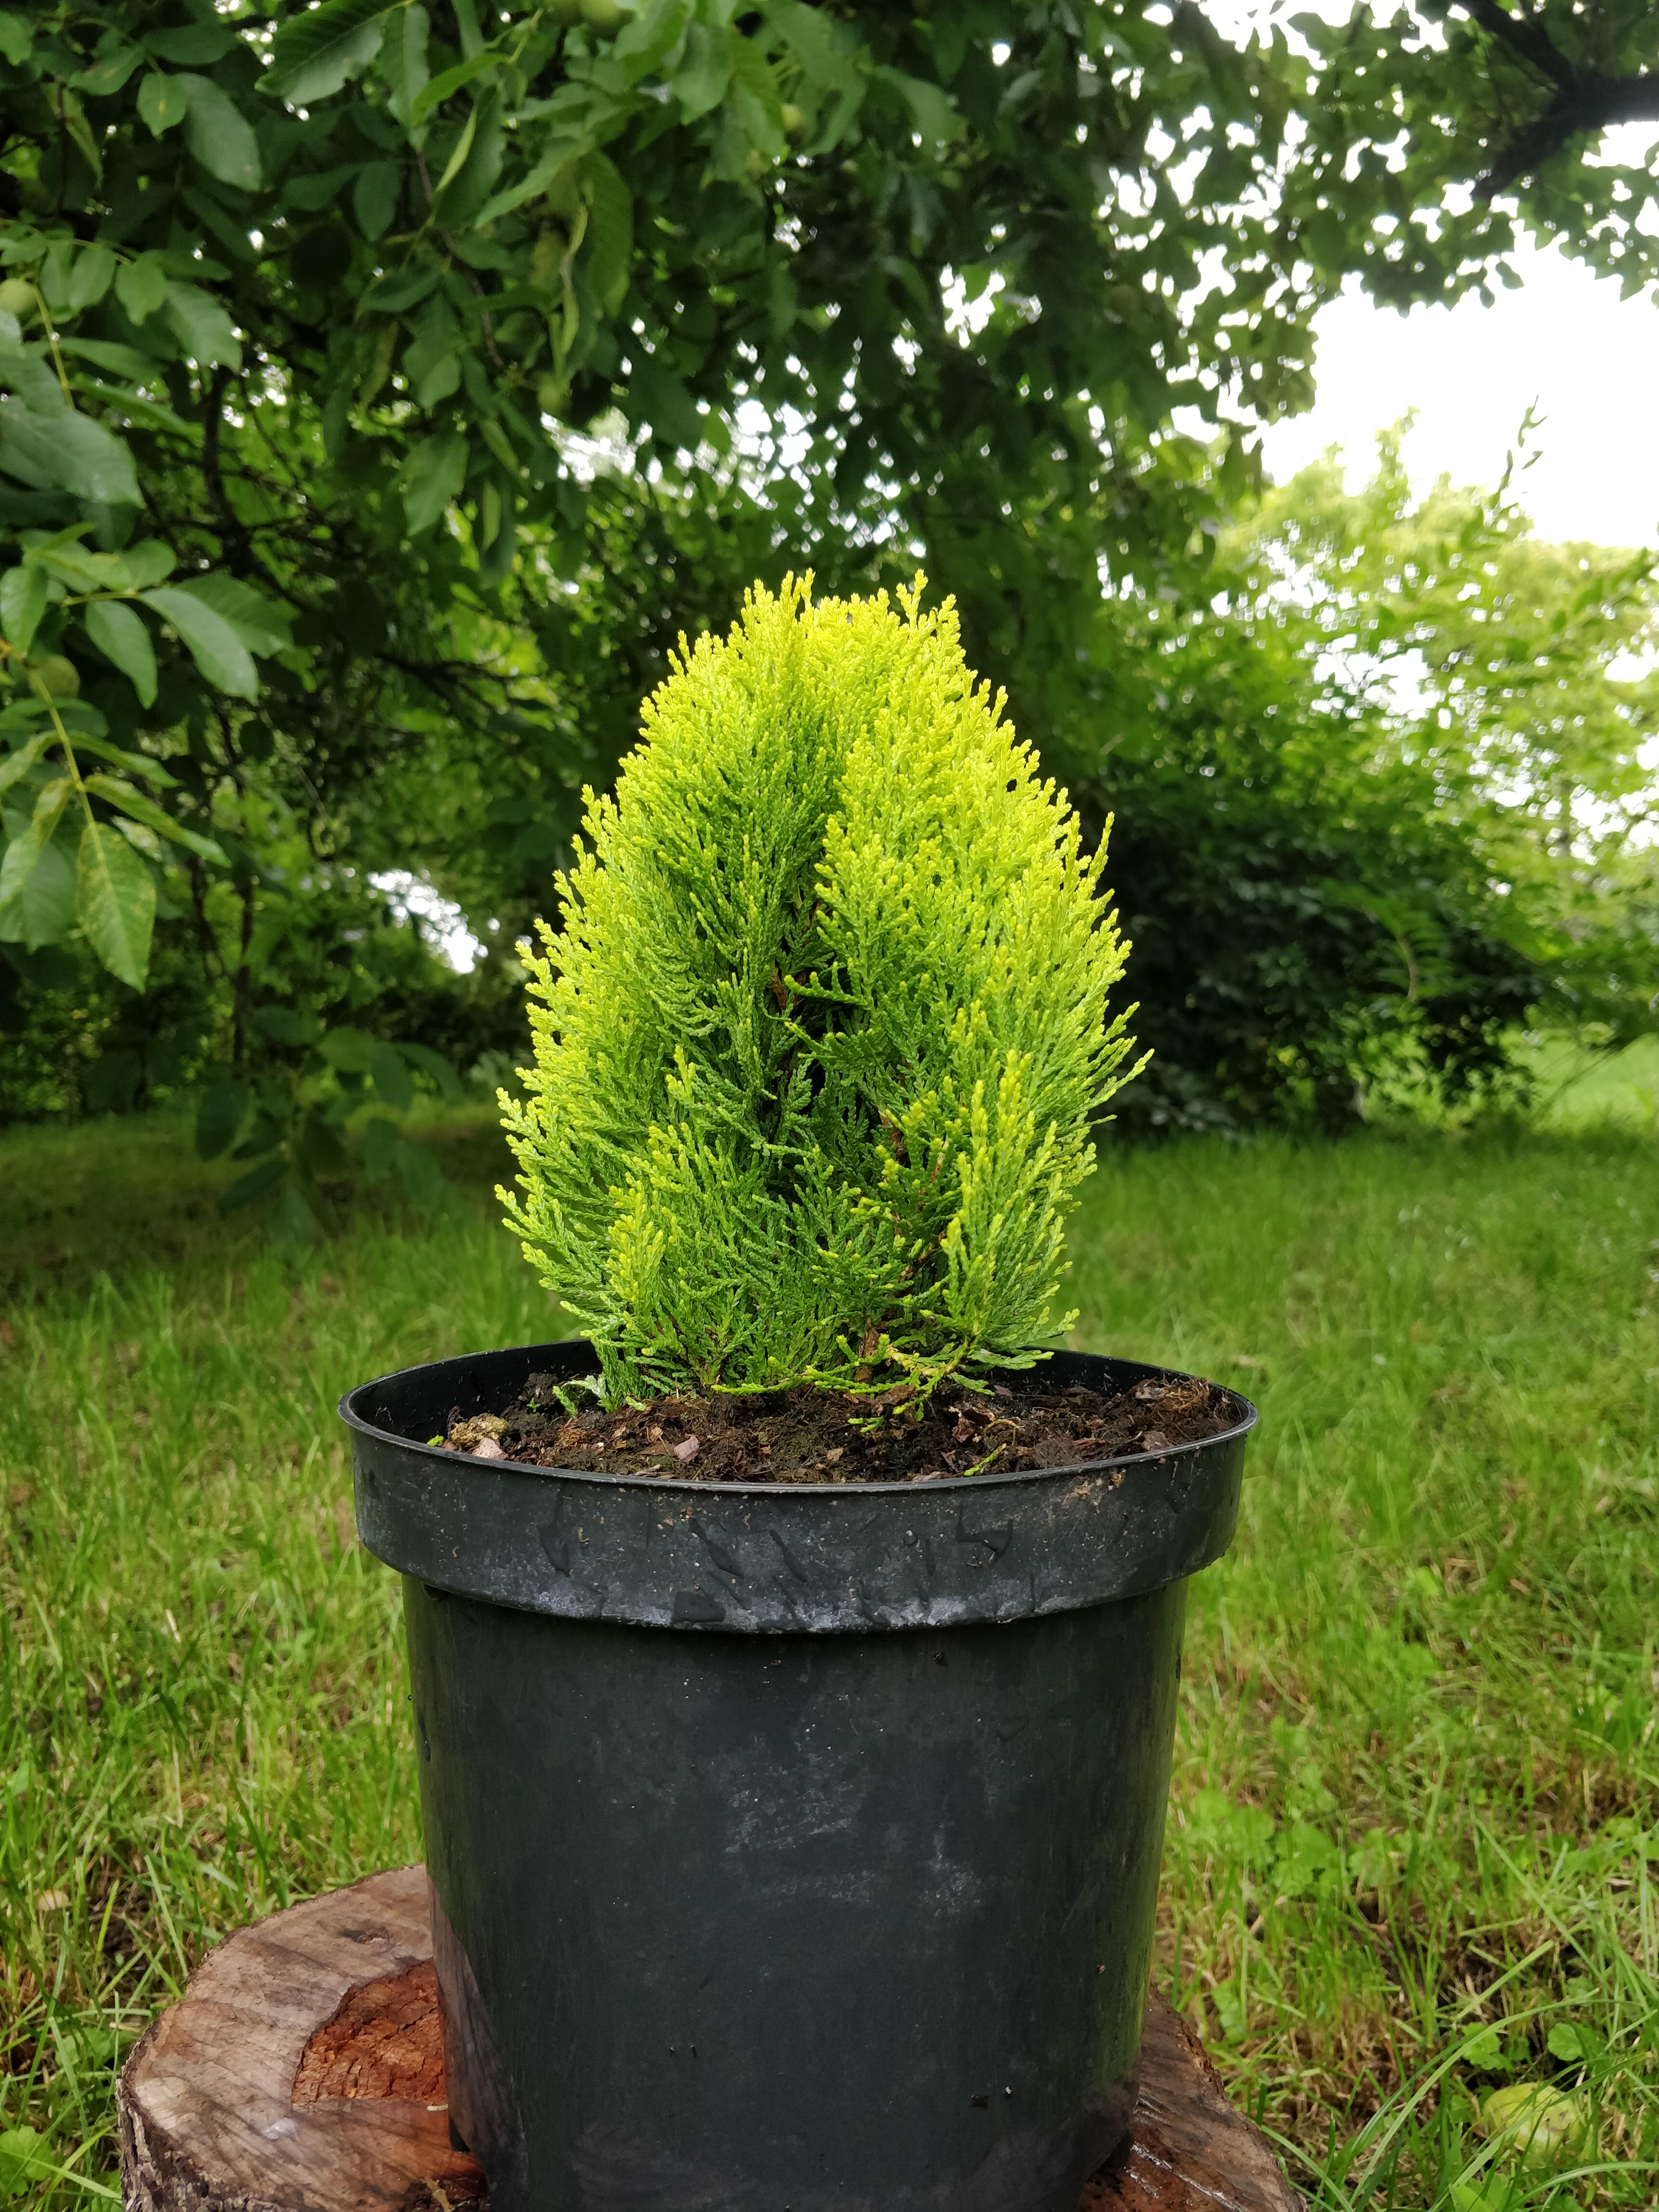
[[809, 1434]]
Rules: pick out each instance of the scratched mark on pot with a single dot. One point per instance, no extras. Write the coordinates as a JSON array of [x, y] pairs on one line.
[[996, 1540], [716, 1543]]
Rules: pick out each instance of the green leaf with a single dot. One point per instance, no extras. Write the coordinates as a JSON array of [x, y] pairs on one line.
[[318, 189], [115, 902], [14, 765], [16, 45], [24, 851], [162, 102], [141, 286], [441, 1071], [403, 62], [40, 909], [23, 598], [389, 1075], [148, 562], [1571, 2044], [119, 360], [69, 450], [263, 624], [463, 147], [422, 1177], [432, 476], [202, 327], [72, 563], [287, 1025], [375, 197], [439, 88], [313, 54], [219, 135], [346, 1051], [140, 809], [120, 636], [24, 2156], [214, 646], [134, 763], [259, 1179], [821, 45], [219, 1114], [657, 398], [398, 293], [935, 118], [91, 278], [554, 160], [27, 372], [105, 76], [381, 1138], [196, 45], [701, 80], [292, 1221], [609, 231]]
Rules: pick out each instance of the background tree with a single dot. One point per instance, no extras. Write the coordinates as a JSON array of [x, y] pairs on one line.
[[307, 314]]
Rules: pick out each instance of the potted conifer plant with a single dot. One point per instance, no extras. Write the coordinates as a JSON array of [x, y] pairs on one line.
[[794, 1654]]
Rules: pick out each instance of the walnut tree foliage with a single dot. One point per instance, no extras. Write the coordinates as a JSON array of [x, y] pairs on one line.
[[304, 310], [819, 1041]]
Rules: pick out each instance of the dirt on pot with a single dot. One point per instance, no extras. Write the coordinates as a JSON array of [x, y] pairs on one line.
[[809, 1435]]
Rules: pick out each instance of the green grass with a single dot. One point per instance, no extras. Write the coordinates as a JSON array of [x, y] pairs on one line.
[[1414, 1846]]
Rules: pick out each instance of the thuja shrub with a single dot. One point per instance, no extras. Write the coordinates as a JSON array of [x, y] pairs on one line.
[[820, 1040]]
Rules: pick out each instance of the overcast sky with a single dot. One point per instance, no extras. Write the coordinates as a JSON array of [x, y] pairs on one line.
[[1566, 341]]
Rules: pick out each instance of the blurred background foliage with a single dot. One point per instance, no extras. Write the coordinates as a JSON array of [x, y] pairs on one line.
[[387, 388]]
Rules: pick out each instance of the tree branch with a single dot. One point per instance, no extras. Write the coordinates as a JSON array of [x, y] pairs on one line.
[[1584, 101]]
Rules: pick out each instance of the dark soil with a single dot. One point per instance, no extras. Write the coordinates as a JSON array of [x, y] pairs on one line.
[[809, 1434]]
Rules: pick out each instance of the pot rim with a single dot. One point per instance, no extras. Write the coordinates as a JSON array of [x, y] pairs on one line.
[[656, 1484]]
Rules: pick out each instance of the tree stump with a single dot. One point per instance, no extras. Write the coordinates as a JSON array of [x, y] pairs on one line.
[[303, 2071]]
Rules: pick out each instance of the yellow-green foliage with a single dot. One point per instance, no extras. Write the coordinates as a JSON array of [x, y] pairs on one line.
[[819, 1041]]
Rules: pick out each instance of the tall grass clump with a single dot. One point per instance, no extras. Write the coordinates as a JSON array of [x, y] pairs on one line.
[[820, 1039]]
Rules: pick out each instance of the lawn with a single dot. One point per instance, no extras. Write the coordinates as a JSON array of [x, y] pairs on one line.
[[1414, 1850]]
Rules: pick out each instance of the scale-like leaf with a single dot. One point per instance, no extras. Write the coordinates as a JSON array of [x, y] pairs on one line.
[[117, 632], [313, 54], [213, 645], [115, 902]]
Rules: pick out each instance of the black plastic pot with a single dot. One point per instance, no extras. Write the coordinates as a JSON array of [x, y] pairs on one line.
[[793, 1848]]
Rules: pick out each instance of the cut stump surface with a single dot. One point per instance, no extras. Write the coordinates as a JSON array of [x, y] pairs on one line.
[[303, 2071]]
